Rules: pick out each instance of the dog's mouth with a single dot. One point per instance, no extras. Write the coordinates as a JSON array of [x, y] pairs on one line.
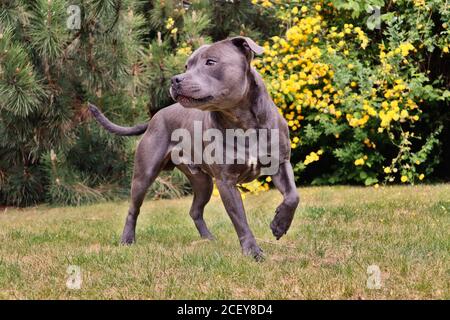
[[190, 100]]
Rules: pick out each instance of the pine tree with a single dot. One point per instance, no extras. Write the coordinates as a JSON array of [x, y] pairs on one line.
[[48, 71]]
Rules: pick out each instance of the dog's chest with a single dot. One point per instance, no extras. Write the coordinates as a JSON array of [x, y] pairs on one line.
[[243, 158], [250, 171], [240, 173]]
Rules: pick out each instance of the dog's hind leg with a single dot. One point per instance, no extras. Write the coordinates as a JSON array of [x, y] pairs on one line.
[[149, 160], [202, 186], [284, 181]]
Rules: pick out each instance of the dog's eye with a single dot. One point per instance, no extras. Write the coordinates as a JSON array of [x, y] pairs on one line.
[[210, 62]]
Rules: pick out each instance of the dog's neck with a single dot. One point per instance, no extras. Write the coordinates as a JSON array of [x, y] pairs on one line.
[[249, 112]]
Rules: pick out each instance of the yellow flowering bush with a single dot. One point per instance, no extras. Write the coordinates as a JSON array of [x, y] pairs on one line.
[[357, 98]]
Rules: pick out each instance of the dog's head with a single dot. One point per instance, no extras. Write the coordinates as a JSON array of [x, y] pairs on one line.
[[216, 76]]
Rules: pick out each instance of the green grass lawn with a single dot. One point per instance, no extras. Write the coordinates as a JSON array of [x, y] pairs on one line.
[[337, 234]]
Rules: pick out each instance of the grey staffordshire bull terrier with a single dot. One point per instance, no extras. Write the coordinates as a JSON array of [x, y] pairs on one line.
[[221, 89]]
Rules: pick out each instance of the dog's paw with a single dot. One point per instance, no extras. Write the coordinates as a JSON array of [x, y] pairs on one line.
[[278, 230], [127, 239], [208, 236], [282, 221], [255, 252], [126, 242]]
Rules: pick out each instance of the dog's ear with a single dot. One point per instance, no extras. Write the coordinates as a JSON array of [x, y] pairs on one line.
[[247, 46]]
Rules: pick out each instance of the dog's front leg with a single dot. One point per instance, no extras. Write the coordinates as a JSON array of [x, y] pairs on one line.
[[284, 181], [232, 201]]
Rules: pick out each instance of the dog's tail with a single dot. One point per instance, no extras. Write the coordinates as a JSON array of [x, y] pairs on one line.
[[114, 128]]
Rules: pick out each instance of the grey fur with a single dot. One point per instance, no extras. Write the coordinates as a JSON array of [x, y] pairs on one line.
[[221, 89]]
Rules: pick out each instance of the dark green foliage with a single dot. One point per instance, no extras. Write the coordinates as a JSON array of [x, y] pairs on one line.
[[122, 59], [67, 185], [47, 73], [170, 185]]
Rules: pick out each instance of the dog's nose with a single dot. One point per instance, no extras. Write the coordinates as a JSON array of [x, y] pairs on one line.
[[177, 79]]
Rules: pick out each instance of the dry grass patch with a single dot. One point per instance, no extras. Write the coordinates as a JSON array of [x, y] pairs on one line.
[[338, 232]]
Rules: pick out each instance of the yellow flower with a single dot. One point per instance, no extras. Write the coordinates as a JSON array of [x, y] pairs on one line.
[[404, 179], [421, 176], [359, 162], [169, 23], [253, 187], [184, 51], [419, 3], [318, 7], [405, 48], [387, 170], [313, 156], [404, 113], [266, 4]]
